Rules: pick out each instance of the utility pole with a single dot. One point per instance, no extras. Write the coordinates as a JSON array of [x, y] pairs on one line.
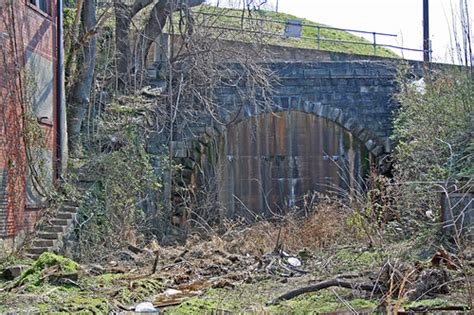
[[426, 32], [277, 6]]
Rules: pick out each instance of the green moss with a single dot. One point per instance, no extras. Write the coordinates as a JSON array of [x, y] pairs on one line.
[[350, 259], [200, 306], [33, 275], [13, 260], [139, 290], [108, 278], [243, 299], [86, 305], [43, 307], [3, 298], [321, 302], [427, 303]]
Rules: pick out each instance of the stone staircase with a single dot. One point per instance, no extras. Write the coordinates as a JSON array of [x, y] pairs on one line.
[[49, 236]]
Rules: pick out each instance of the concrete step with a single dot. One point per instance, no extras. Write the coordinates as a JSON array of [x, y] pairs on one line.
[[71, 203], [40, 243], [54, 228], [37, 250], [48, 235], [65, 215], [68, 208], [62, 222]]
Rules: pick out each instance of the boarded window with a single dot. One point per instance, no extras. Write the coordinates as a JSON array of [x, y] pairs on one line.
[[41, 4]]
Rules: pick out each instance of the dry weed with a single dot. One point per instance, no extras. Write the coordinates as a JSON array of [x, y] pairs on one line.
[[324, 224]]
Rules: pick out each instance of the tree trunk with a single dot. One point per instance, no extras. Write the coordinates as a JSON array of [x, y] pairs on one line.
[[71, 41], [123, 19], [155, 24], [79, 97], [153, 28]]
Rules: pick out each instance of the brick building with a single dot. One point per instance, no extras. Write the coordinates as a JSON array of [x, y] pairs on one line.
[[31, 112]]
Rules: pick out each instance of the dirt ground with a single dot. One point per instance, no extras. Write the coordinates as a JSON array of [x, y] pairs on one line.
[[243, 271]]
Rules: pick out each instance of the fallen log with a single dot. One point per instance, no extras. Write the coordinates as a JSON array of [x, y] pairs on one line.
[[426, 309], [375, 288]]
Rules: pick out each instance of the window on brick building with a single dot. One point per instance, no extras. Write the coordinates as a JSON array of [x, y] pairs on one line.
[[41, 4]]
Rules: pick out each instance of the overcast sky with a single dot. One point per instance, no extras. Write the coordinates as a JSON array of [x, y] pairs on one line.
[[401, 17]]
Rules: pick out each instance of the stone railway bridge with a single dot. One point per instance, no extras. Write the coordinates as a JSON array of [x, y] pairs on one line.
[[328, 123]]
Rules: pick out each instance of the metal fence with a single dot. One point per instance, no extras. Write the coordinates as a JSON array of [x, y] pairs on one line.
[[318, 38]]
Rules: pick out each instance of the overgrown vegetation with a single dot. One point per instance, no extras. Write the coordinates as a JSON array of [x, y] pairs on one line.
[[434, 126], [46, 262], [381, 249], [434, 160], [123, 196]]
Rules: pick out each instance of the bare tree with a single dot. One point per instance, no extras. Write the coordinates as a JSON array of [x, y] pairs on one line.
[[201, 62], [81, 89], [123, 20], [153, 28]]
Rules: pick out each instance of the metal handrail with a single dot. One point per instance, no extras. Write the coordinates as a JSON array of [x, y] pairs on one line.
[[291, 23], [318, 27]]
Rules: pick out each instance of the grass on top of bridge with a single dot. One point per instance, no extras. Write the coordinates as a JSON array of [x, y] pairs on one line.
[[227, 22]]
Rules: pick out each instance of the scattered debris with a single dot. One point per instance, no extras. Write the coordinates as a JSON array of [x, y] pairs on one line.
[[294, 262], [49, 266], [184, 274], [152, 92], [171, 292], [172, 297], [429, 283], [94, 269], [12, 272], [146, 307], [442, 257], [374, 288]]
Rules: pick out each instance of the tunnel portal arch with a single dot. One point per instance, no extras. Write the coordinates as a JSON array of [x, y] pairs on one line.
[[270, 160]]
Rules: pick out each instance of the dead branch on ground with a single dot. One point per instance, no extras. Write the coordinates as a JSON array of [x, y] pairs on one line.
[[375, 288]]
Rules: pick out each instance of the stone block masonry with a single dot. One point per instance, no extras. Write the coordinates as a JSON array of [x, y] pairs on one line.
[[324, 113], [357, 95]]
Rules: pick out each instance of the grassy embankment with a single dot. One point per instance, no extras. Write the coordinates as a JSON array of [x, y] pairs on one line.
[[232, 18]]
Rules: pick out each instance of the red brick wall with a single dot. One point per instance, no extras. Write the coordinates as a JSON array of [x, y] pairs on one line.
[[23, 27]]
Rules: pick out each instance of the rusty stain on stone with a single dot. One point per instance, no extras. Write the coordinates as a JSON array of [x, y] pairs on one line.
[[271, 161]]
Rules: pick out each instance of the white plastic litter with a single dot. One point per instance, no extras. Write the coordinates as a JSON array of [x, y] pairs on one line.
[[171, 292], [294, 262], [145, 307]]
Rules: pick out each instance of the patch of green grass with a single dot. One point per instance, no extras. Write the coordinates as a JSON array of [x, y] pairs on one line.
[[231, 18], [200, 306], [251, 298], [13, 260], [108, 278], [86, 305], [322, 302], [139, 290], [427, 303], [350, 259], [3, 299]]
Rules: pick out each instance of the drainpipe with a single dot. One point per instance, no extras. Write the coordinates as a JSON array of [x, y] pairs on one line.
[[426, 32], [60, 104]]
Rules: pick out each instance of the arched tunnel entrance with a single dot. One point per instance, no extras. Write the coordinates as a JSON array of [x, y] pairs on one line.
[[265, 164], [270, 161]]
